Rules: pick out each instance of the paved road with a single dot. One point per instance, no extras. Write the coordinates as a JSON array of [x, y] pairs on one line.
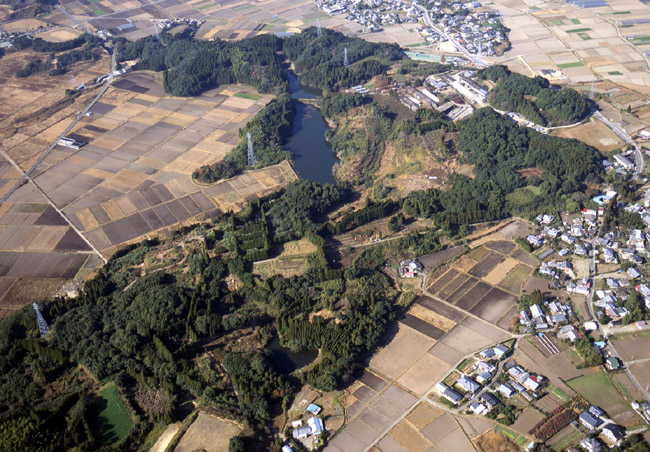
[[622, 133], [427, 19]]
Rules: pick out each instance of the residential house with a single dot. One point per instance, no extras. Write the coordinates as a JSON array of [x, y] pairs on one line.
[[287, 448], [634, 273], [590, 445], [449, 394], [314, 409], [589, 420], [596, 411], [612, 363], [614, 432], [478, 408], [468, 384], [316, 425], [531, 383], [487, 353], [485, 367], [536, 311], [500, 350], [483, 377], [534, 240], [302, 432], [506, 390], [489, 400], [569, 332]]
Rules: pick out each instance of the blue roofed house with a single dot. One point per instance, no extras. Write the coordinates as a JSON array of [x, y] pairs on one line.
[[314, 409]]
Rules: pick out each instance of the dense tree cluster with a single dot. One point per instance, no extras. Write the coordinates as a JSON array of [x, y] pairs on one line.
[[319, 60], [498, 149], [337, 104], [270, 129], [534, 98], [41, 45], [191, 67]]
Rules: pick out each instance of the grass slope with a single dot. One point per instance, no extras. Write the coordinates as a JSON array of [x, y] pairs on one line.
[[113, 422]]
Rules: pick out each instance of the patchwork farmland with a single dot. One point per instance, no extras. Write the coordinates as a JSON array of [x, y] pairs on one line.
[[132, 180], [486, 282]]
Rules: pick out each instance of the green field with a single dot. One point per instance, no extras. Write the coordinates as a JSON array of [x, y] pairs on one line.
[[570, 65], [250, 96], [209, 5], [514, 280], [576, 21], [597, 389], [615, 73], [113, 422], [578, 30], [565, 438], [584, 36], [621, 12], [98, 12]]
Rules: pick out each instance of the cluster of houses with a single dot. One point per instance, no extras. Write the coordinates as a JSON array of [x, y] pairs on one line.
[[474, 30], [372, 14], [470, 384], [520, 382], [593, 420], [410, 268], [313, 427], [546, 316], [569, 237]]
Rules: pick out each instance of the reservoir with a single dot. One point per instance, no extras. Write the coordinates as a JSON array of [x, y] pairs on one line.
[[312, 155], [286, 360]]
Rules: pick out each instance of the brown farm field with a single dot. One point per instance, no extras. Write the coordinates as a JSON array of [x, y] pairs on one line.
[[486, 281], [595, 134], [207, 433]]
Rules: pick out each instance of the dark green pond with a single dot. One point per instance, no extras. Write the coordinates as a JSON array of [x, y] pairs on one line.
[[312, 155]]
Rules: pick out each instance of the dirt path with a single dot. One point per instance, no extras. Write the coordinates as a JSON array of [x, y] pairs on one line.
[[168, 435]]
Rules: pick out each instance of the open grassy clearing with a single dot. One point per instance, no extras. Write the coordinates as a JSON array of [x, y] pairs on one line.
[[599, 390], [113, 422]]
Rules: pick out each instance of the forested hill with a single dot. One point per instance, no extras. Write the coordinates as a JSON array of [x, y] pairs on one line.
[[499, 149], [192, 67], [534, 98], [319, 60], [186, 319]]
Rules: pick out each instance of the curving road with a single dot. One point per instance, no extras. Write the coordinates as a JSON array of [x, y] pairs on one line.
[[639, 164]]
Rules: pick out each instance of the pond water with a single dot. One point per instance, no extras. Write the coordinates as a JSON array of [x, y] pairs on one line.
[[287, 360], [312, 155]]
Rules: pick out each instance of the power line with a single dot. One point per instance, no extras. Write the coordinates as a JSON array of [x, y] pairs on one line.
[[42, 324], [252, 161]]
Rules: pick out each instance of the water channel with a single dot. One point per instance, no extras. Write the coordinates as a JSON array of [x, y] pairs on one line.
[[312, 155]]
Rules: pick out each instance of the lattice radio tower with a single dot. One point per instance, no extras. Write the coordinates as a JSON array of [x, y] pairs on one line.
[[42, 324], [346, 63], [252, 161], [480, 47], [319, 32], [591, 91]]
